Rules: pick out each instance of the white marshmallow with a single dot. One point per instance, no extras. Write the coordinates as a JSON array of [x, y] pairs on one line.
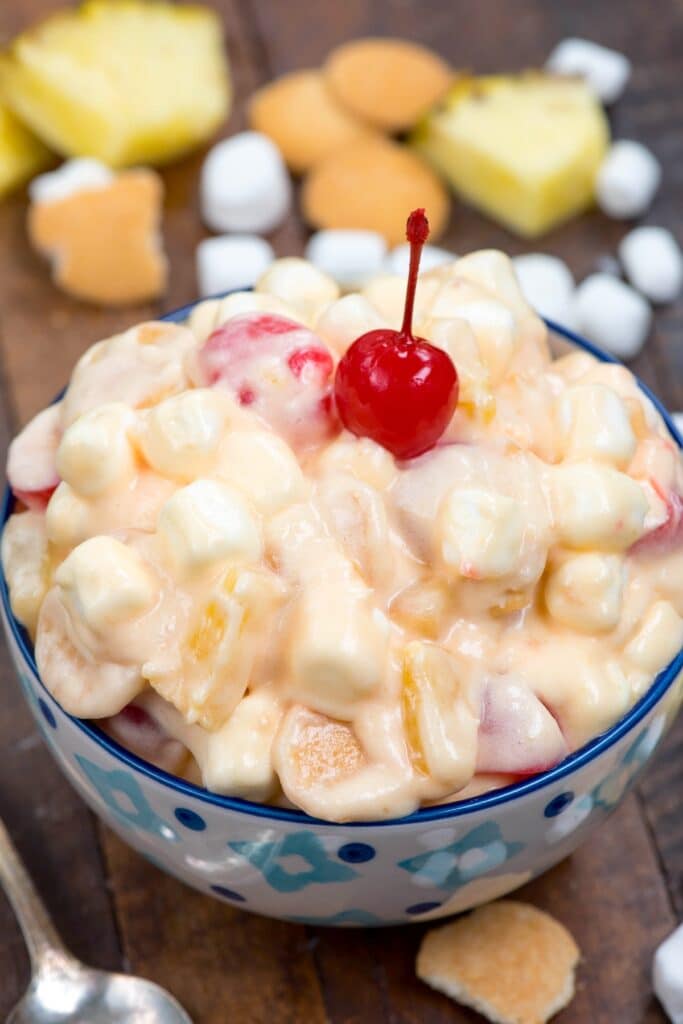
[[658, 639], [606, 71], [202, 319], [457, 339], [596, 506], [398, 260], [667, 975], [613, 315], [206, 523], [584, 593], [73, 176], [236, 759], [95, 452], [362, 458], [494, 328], [180, 436], [25, 563], [345, 320], [231, 261], [106, 582], [481, 533], [653, 262], [338, 651], [350, 256], [594, 423], [627, 180], [547, 285], [67, 519], [299, 284], [678, 422], [245, 185], [263, 466]]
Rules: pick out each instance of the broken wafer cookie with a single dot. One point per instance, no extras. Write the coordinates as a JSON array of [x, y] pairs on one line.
[[508, 960], [389, 83], [100, 231]]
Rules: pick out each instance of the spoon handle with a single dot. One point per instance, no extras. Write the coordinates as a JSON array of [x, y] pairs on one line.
[[42, 940]]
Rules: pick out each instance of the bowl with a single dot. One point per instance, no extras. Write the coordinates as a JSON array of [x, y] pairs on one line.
[[285, 864]]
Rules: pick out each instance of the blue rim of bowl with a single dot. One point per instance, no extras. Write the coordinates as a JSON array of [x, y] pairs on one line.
[[487, 801]]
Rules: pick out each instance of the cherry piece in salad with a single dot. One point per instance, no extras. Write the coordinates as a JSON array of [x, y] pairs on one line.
[[392, 387], [278, 368]]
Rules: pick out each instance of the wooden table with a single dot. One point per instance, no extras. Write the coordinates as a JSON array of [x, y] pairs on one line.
[[623, 891]]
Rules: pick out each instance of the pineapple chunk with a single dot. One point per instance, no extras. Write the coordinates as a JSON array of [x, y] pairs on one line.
[[525, 149], [121, 80], [21, 154]]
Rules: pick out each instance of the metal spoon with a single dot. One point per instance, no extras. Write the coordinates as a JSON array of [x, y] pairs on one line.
[[63, 990]]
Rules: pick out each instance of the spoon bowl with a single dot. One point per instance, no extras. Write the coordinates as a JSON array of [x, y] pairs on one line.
[[80, 994], [63, 990]]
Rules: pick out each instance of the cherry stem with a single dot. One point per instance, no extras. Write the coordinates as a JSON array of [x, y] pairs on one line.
[[417, 233]]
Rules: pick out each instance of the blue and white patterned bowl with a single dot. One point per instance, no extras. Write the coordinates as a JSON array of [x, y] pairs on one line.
[[285, 864]]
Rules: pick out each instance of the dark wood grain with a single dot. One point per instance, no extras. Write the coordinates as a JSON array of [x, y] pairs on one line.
[[621, 892]]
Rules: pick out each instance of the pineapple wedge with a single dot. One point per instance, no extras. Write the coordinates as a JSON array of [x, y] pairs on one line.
[[126, 81], [21, 154], [523, 148]]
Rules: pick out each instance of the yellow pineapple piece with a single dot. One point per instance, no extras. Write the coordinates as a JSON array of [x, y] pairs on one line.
[[125, 81], [440, 720], [523, 148], [220, 652], [21, 154]]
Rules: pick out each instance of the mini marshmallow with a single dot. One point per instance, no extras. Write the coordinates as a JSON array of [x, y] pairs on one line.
[[95, 452], [206, 523], [345, 320], [653, 263], [594, 423], [547, 285], [106, 583], [627, 180], [263, 466], [457, 339], [338, 651], [245, 185], [596, 506], [180, 436], [362, 458], [585, 591], [299, 284], [613, 315], [481, 533], [231, 261], [494, 328], [606, 71], [667, 975], [350, 256], [202, 319], [658, 639], [236, 759], [25, 564], [67, 519], [73, 176], [398, 260]]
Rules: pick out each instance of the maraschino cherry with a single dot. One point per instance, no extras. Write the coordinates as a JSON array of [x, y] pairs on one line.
[[393, 387]]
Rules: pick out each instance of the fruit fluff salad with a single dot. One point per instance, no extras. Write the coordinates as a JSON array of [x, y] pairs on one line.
[[355, 622]]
